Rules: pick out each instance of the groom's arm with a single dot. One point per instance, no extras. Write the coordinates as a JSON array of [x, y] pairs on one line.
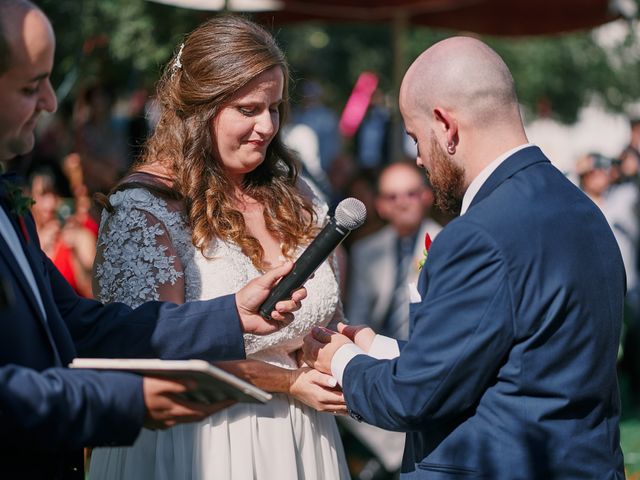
[[463, 329], [382, 347]]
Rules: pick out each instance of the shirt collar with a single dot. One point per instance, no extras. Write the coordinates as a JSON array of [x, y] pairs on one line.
[[485, 173]]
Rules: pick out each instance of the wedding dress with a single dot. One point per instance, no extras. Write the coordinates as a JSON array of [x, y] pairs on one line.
[[144, 251]]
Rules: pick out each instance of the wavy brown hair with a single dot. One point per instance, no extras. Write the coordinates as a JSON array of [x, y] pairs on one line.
[[217, 59]]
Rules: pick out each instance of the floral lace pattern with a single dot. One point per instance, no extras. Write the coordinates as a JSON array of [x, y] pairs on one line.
[[150, 245], [133, 250]]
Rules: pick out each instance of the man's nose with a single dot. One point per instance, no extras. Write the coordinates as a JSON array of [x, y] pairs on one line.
[[48, 101]]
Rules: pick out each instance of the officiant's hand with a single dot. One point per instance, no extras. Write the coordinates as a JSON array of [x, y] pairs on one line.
[[254, 293], [166, 408], [320, 346]]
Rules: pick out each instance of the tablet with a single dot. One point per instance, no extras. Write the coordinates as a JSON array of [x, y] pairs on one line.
[[213, 384]]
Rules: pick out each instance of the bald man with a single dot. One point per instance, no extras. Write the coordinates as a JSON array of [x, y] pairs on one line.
[[510, 368], [47, 411]]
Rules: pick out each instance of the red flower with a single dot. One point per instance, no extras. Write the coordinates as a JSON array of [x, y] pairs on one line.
[[427, 242], [23, 228], [427, 246]]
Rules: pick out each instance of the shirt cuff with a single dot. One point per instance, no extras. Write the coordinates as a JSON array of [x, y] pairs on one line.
[[342, 357], [383, 348]]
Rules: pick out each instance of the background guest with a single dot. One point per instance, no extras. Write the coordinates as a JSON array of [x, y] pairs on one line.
[[384, 263]]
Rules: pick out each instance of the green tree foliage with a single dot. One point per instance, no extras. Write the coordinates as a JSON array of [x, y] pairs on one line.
[[124, 43], [117, 41]]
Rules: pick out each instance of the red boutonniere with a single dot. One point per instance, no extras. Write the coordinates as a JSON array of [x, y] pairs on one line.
[[425, 252], [23, 228]]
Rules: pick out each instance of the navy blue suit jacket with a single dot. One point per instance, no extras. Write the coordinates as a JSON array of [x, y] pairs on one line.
[[510, 370], [48, 412]]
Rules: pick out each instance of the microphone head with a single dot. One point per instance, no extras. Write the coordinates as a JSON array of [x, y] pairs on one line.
[[350, 213]]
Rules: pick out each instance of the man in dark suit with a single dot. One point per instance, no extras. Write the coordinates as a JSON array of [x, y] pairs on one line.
[[48, 412], [510, 368]]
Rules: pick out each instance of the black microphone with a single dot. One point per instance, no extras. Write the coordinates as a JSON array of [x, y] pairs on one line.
[[350, 214]]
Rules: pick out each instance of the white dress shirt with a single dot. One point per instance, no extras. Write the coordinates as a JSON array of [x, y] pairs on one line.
[[385, 347], [11, 237]]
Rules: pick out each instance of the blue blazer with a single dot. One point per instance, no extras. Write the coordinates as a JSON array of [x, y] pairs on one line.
[[48, 412], [510, 370]]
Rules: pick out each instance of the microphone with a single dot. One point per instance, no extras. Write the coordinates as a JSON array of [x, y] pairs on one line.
[[350, 214]]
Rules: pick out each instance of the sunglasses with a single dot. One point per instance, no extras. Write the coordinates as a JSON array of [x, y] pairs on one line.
[[395, 196]]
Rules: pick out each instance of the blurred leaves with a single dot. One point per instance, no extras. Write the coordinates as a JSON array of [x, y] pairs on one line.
[[117, 41], [124, 43]]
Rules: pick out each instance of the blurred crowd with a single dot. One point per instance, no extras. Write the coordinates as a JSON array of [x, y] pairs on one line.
[[614, 185], [89, 144]]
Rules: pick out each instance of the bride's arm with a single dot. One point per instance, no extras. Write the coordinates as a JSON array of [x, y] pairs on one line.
[[136, 260], [309, 386]]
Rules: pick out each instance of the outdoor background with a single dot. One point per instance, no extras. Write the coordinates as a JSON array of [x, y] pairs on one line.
[[577, 89]]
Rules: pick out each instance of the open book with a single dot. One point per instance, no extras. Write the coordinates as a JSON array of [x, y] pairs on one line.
[[214, 384]]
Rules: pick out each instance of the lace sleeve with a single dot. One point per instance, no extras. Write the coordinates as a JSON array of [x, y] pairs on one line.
[[136, 260]]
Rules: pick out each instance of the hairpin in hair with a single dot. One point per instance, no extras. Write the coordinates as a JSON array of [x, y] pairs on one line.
[[177, 63]]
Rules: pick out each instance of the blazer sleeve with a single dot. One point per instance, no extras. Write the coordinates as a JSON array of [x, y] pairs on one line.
[[462, 333], [208, 330], [62, 408]]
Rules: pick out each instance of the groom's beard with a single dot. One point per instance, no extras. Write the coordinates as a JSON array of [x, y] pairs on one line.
[[447, 179]]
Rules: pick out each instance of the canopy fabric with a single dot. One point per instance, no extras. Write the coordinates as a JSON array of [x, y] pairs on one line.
[[233, 5], [493, 17]]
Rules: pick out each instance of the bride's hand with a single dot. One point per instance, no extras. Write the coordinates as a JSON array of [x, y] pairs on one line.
[[361, 335], [318, 390]]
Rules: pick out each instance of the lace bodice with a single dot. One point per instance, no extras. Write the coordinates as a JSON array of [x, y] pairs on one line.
[[145, 253]]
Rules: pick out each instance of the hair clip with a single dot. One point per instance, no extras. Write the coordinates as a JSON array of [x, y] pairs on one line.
[[177, 63]]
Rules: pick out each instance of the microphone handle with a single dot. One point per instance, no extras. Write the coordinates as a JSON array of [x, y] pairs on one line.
[[317, 252]]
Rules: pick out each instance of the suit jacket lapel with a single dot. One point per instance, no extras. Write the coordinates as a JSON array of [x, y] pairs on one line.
[[32, 258], [10, 258], [516, 162]]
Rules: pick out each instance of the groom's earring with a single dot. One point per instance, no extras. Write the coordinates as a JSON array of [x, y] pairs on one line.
[[451, 148]]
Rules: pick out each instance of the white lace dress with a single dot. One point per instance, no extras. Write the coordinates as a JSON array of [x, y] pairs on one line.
[[145, 253]]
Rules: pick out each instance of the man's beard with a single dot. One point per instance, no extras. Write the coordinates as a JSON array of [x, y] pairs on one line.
[[447, 179]]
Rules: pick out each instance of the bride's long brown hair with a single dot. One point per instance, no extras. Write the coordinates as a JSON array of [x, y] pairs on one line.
[[217, 59]]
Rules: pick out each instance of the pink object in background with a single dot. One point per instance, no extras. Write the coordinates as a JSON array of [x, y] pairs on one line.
[[356, 107]]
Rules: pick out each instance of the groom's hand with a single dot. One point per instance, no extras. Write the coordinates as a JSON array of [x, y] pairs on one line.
[[320, 346], [254, 293]]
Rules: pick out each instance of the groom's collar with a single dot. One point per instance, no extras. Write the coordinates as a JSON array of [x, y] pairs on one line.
[[485, 173]]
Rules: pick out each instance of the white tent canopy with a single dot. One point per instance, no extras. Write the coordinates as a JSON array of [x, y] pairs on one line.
[[233, 5]]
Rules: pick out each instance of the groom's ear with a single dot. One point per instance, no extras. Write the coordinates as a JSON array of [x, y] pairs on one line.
[[447, 124]]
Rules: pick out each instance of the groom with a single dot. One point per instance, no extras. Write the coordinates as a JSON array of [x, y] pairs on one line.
[[510, 369], [49, 412]]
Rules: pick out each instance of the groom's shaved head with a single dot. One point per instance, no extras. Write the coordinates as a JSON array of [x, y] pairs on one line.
[[462, 75]]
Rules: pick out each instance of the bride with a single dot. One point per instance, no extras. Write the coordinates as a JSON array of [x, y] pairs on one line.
[[215, 201]]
